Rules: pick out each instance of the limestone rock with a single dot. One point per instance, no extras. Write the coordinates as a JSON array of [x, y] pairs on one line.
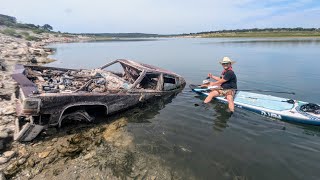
[[89, 155], [22, 161], [3, 134], [23, 152], [44, 154], [43, 60], [9, 154], [10, 110], [3, 160]]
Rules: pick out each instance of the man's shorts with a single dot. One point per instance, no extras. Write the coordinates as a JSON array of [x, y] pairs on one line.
[[225, 92]]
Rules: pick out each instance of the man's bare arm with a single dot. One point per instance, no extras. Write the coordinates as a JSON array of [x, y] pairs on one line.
[[214, 77]]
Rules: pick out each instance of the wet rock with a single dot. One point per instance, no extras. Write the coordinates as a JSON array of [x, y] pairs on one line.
[[116, 135], [9, 154], [113, 127], [73, 146]]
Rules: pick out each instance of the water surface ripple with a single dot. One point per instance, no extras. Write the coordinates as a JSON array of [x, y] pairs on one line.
[[206, 140]]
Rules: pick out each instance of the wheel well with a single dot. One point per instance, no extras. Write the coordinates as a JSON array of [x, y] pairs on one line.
[[91, 110]]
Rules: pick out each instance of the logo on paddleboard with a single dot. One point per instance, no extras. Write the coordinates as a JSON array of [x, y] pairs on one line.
[[273, 115]]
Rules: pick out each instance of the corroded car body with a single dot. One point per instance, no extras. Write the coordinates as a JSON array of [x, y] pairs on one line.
[[48, 95]]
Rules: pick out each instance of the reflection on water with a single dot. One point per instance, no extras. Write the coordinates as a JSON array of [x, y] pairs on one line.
[[221, 119], [149, 109], [220, 115], [205, 140]]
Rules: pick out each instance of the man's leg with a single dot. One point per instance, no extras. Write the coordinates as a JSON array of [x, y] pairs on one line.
[[211, 95], [230, 102], [207, 84]]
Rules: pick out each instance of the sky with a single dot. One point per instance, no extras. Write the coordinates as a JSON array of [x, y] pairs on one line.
[[163, 16]]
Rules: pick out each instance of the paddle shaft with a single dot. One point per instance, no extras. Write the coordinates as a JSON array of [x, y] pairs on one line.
[[258, 90]]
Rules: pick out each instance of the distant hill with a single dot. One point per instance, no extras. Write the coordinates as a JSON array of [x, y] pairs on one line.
[[11, 22], [121, 35], [256, 32]]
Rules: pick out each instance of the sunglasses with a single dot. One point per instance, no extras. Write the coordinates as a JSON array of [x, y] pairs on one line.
[[223, 64]]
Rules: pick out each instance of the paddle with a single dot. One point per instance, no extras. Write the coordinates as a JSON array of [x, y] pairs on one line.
[[257, 90]]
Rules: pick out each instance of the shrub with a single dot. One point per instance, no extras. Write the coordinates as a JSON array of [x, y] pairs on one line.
[[11, 32], [32, 38], [24, 33], [38, 31]]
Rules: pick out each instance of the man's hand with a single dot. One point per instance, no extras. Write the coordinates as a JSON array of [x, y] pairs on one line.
[[210, 75]]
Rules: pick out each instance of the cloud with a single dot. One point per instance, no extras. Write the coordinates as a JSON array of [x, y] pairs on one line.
[[151, 16]]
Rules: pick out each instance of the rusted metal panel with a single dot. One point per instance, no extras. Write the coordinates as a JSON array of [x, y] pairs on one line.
[[50, 94]]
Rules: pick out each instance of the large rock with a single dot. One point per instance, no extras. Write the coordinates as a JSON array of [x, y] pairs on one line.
[[3, 160], [43, 60], [38, 52], [9, 110], [22, 51], [9, 154], [3, 134], [44, 154]]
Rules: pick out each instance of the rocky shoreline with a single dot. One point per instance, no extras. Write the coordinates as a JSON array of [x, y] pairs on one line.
[[13, 51], [103, 151]]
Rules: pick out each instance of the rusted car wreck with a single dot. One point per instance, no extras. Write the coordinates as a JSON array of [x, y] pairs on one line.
[[48, 95]]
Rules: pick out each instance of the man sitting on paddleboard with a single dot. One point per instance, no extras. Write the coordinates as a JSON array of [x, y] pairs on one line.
[[226, 84]]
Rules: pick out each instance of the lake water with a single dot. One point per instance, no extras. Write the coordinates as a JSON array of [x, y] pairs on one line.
[[205, 141]]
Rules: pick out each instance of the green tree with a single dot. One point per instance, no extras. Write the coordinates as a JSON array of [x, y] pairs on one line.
[[7, 20], [47, 27]]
